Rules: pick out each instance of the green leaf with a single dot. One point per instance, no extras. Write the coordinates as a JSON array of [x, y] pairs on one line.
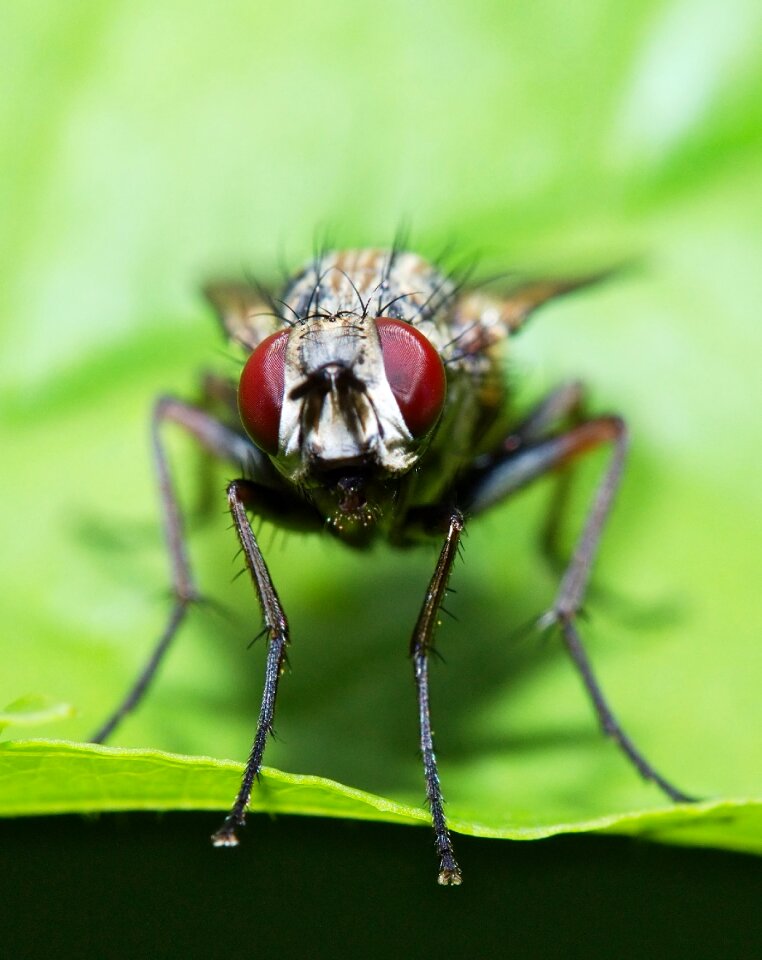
[[47, 777], [146, 147]]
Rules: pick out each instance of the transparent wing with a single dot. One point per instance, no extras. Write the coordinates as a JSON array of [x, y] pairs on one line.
[[247, 313]]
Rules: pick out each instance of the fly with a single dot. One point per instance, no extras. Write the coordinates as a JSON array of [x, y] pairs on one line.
[[372, 405]]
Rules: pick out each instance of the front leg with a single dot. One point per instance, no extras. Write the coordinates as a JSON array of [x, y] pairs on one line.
[[240, 494], [420, 645]]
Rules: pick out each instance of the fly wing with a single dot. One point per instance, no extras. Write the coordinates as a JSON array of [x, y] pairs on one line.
[[517, 304], [246, 313], [481, 320]]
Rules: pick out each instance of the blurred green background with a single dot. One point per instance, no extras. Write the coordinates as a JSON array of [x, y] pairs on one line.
[[145, 147]]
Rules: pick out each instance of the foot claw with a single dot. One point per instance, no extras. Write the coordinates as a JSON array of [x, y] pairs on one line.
[[449, 872], [450, 877], [225, 837]]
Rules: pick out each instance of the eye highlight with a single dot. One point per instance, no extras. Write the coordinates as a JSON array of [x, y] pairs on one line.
[[415, 373], [260, 391]]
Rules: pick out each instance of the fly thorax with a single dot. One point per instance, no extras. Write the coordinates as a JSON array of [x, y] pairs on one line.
[[338, 406]]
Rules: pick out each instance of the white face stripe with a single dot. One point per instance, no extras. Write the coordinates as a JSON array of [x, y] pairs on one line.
[[352, 423]]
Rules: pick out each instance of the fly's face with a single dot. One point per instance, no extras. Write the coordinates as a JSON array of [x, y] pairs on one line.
[[358, 393], [343, 405], [343, 399]]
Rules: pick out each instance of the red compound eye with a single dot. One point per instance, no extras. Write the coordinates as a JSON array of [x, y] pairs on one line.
[[415, 373], [260, 391]]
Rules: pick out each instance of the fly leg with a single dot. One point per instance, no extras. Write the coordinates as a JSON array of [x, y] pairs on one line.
[[420, 645], [223, 443], [564, 406], [243, 494], [509, 472]]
